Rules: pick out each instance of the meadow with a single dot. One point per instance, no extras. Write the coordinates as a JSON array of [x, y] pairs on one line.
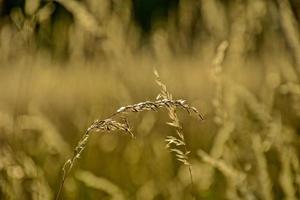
[[149, 100]]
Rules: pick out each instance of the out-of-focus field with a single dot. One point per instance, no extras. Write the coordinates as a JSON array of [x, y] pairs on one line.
[[65, 63]]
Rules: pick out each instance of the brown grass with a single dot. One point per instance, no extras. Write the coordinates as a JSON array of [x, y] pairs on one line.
[[64, 63], [165, 100]]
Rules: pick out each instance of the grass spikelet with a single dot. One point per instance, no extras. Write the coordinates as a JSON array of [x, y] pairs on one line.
[[106, 125], [118, 122], [176, 144]]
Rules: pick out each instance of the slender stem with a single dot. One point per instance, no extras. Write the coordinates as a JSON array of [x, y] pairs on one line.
[[110, 125], [60, 187], [191, 176], [192, 182], [66, 169]]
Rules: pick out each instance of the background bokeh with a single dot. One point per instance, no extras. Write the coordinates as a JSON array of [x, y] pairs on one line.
[[65, 63]]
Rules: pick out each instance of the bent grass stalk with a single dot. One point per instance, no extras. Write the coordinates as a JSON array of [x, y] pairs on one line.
[[176, 144], [118, 121]]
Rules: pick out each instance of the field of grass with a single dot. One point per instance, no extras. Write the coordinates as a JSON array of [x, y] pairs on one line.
[[194, 100]]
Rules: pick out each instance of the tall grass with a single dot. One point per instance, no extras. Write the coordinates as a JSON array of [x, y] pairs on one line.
[[64, 63], [165, 100]]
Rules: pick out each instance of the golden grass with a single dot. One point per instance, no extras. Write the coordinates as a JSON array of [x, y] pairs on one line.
[[65, 63], [110, 124]]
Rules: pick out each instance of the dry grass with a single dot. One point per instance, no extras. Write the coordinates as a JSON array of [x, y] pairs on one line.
[[64, 63], [109, 124]]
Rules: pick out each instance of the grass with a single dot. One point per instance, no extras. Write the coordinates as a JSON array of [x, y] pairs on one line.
[[164, 100], [65, 63]]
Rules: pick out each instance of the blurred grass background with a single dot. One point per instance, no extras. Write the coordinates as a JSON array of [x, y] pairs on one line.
[[64, 63]]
